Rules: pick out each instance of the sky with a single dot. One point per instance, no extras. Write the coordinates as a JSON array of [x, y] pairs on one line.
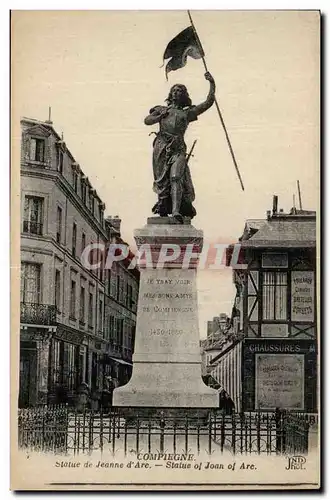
[[100, 73]]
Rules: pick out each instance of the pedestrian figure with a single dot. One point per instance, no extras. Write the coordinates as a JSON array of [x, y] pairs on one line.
[[83, 396], [95, 399], [226, 403]]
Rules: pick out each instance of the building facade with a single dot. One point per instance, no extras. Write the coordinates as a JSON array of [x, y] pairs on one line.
[[278, 296], [217, 329], [64, 333], [270, 360], [121, 297]]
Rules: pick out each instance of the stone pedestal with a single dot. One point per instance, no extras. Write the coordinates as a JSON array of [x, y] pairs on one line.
[[167, 360]]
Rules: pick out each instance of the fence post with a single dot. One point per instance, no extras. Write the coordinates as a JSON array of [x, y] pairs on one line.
[[258, 428], [222, 434], [101, 429], [280, 431], [162, 427], [233, 431], [113, 423], [210, 433], [306, 434]]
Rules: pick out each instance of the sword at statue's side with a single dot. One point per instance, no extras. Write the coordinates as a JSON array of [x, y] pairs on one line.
[[217, 105], [191, 151]]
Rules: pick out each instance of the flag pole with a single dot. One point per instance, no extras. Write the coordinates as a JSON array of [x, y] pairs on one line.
[[217, 105]]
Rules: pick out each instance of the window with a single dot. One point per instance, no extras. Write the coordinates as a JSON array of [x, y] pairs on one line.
[[91, 200], [83, 242], [32, 222], [90, 310], [118, 287], [101, 265], [132, 338], [101, 211], [60, 161], [101, 315], [274, 295], [129, 296], [120, 331], [57, 354], [57, 290], [70, 366], [37, 149], [274, 260], [74, 239], [109, 282], [83, 371], [73, 300], [93, 254], [59, 225], [30, 283], [82, 305], [111, 328]]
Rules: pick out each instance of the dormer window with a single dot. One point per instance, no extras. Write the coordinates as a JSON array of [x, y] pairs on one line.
[[37, 149], [75, 173], [60, 161], [75, 180], [101, 210], [83, 190], [92, 200]]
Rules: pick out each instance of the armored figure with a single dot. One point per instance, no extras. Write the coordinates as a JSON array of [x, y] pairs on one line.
[[172, 179]]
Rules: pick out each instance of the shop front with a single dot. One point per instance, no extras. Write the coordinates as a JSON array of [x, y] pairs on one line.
[[67, 365], [34, 365], [279, 373]]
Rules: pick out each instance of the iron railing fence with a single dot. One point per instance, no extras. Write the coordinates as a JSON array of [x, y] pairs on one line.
[[61, 429]]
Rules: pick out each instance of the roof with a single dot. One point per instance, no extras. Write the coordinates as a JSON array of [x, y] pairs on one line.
[[232, 342], [281, 231], [48, 125]]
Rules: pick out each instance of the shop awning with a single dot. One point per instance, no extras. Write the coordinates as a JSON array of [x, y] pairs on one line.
[[121, 361]]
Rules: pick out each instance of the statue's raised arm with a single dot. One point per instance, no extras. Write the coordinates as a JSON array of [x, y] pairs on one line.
[[204, 106]]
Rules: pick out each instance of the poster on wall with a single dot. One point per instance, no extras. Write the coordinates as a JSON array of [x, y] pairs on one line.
[[279, 381], [302, 296]]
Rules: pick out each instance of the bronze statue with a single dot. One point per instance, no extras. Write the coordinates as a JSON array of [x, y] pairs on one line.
[[172, 180]]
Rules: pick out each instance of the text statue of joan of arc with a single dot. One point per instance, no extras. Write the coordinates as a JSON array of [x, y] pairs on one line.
[[172, 179]]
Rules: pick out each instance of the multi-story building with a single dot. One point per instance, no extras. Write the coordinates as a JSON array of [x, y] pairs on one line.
[[63, 332], [221, 355], [211, 345], [271, 355], [121, 296]]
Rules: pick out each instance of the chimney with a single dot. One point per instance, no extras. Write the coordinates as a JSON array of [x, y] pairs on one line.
[[49, 121], [275, 204]]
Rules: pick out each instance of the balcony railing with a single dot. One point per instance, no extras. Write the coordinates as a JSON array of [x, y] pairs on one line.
[[32, 227], [38, 314]]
